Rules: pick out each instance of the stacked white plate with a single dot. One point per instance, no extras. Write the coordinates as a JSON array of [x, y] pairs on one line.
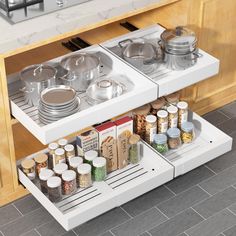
[[57, 102]]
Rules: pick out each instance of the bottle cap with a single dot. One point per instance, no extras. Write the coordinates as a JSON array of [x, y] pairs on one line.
[[59, 151], [99, 162], [173, 132], [68, 175], [54, 182], [75, 161], [28, 163], [90, 155], [69, 148], [45, 174], [84, 169], [172, 109], [162, 114], [41, 158], [187, 126], [62, 142], [53, 146], [160, 138], [151, 119], [60, 168], [182, 105]]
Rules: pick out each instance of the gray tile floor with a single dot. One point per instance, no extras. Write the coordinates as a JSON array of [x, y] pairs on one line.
[[199, 203]]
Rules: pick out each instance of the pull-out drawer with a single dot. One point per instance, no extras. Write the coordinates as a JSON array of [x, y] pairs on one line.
[[168, 81], [120, 186], [140, 90]]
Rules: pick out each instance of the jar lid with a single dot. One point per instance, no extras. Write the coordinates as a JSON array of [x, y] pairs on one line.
[[187, 126], [143, 110], [41, 158], [69, 148], [99, 162], [134, 138], [59, 151], [172, 109], [90, 155], [68, 175], [160, 138], [75, 161], [84, 169], [159, 103], [62, 142], [182, 105], [60, 168], [45, 174], [151, 119], [54, 182], [173, 132], [162, 114], [27, 163], [172, 97], [53, 146]]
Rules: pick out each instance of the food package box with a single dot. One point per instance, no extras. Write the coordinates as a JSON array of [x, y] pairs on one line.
[[87, 141], [107, 144], [124, 129]]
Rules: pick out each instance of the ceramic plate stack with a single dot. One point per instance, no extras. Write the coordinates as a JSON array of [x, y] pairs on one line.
[[57, 102]]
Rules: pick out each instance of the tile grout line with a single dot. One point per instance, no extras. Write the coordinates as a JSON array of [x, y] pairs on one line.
[[17, 209], [74, 232], [2, 233], [37, 231], [210, 169], [169, 189], [204, 190], [126, 212], [147, 233], [220, 111], [111, 232], [198, 213], [231, 210], [162, 212]]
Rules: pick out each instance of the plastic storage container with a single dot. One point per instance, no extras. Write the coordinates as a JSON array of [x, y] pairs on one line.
[[60, 168], [160, 143], [162, 121], [85, 178], [69, 185], [100, 168], [41, 162], [174, 140], [187, 132], [151, 128], [44, 175], [54, 189], [134, 149]]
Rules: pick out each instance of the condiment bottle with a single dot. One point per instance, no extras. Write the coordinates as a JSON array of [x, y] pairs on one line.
[[28, 167], [41, 162], [85, 178], [139, 118], [134, 149], [62, 142], [89, 156], [173, 98], [174, 140], [187, 134], [70, 152], [74, 162], [54, 189], [51, 157], [162, 121], [44, 175], [60, 168], [151, 128], [60, 156], [69, 185], [160, 143], [100, 168], [159, 104], [183, 113], [173, 116]]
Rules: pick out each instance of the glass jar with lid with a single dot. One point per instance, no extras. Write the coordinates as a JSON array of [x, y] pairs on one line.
[[89, 156], [70, 152], [100, 168], [159, 104], [162, 121], [28, 167], [41, 162], [183, 113], [172, 116], [160, 143], [60, 156], [187, 132], [74, 162], [51, 155], [62, 142], [44, 175], [134, 149], [54, 189], [174, 140], [69, 185], [85, 178], [151, 128], [60, 168]]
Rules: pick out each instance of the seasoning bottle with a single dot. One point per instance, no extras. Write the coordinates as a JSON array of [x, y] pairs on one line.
[[51, 155], [160, 143], [44, 175], [174, 140], [139, 118], [159, 104], [151, 128], [59, 156], [60, 168], [85, 178], [69, 185], [28, 167], [100, 168], [54, 189], [41, 162], [183, 113], [62, 142], [74, 162], [134, 149], [70, 152], [173, 116], [89, 156], [162, 121], [172, 99], [187, 132]]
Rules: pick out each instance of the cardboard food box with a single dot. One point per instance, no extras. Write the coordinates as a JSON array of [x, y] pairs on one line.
[[107, 144]]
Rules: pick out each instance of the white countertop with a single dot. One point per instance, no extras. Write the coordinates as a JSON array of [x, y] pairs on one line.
[[66, 20]]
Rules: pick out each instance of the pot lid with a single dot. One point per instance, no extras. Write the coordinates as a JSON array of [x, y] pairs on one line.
[[180, 36], [80, 61], [38, 73]]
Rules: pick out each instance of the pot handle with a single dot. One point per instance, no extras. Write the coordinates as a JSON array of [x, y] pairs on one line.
[[124, 41], [26, 91], [39, 68]]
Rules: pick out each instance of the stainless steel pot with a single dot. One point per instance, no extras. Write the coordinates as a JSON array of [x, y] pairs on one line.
[[83, 68], [36, 78]]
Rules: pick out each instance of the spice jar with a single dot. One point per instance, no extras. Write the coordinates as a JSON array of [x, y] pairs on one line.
[[60, 168], [162, 121], [60, 156], [159, 104], [44, 175], [62, 142], [41, 162], [89, 156], [160, 143], [85, 179], [134, 149], [173, 116], [174, 140], [70, 152], [51, 156], [54, 189], [100, 168], [183, 113], [69, 185], [74, 162], [172, 99], [28, 167], [139, 118], [187, 132], [151, 128]]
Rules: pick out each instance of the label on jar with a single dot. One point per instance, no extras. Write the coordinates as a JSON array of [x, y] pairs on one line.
[[163, 127], [173, 122], [153, 131], [183, 118]]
